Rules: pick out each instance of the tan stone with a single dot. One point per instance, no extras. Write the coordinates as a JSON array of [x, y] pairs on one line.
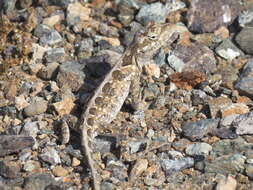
[[139, 167], [236, 108], [228, 183], [59, 171]]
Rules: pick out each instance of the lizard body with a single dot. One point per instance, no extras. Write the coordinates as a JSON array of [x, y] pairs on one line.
[[109, 97]]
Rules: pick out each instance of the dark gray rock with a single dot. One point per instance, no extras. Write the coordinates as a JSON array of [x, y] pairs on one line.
[[207, 16], [14, 143], [245, 86], [70, 75], [197, 130], [199, 97], [38, 181], [247, 70], [244, 39], [171, 166]]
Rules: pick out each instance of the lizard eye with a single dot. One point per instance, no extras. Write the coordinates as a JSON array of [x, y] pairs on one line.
[[152, 37]]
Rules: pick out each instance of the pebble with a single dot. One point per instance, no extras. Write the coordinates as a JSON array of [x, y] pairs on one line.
[[30, 129], [243, 124], [172, 166], [10, 169], [139, 167], [229, 164], [55, 55], [31, 165], [35, 108], [14, 143], [228, 50], [197, 130], [227, 183], [197, 149], [247, 70], [70, 75], [243, 39], [38, 181], [245, 86], [59, 171], [49, 71], [50, 155], [76, 13], [75, 162], [202, 12]]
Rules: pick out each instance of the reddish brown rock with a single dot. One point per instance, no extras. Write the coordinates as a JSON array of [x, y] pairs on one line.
[[207, 16], [217, 104], [187, 80]]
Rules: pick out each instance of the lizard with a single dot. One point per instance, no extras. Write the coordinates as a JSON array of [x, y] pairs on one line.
[[110, 95]]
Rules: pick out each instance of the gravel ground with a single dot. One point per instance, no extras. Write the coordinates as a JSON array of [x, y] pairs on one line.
[[197, 130]]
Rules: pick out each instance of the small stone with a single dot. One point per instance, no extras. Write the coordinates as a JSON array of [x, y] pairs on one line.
[[9, 169], [38, 181], [35, 108], [55, 55], [205, 16], [65, 106], [197, 130], [59, 171], [76, 13], [51, 156], [228, 164], [30, 129], [194, 57], [49, 71], [31, 165], [172, 166], [243, 124], [34, 68], [243, 39], [38, 52], [222, 32], [139, 167], [234, 109], [104, 144], [14, 143], [152, 70], [228, 183], [198, 149], [75, 162], [70, 75], [247, 69], [20, 102], [157, 12], [245, 86], [112, 41], [199, 97], [216, 104], [175, 62], [52, 20], [84, 48], [245, 18], [228, 50], [187, 80]]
